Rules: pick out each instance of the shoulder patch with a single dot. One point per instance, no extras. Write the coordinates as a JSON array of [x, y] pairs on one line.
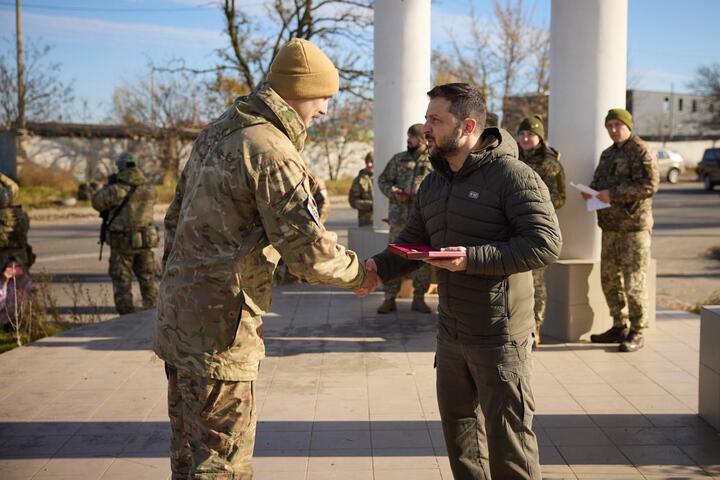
[[312, 209]]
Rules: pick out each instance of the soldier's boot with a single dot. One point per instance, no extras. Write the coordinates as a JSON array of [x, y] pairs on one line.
[[124, 309], [419, 305], [387, 306], [634, 342], [614, 335]]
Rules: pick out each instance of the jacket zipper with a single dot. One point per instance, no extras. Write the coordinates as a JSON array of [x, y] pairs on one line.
[[445, 231]]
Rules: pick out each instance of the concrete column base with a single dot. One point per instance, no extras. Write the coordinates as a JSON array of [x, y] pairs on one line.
[[709, 379], [576, 306]]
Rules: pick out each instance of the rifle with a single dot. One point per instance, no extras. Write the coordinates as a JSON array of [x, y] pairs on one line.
[[105, 215]]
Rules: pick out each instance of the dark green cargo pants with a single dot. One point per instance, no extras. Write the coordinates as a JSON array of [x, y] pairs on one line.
[[486, 407]]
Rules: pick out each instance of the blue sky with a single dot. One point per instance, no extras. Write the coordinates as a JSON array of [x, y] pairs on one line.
[[102, 42]]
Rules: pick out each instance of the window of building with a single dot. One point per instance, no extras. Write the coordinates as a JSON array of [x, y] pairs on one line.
[[666, 105], [680, 104], [694, 106]]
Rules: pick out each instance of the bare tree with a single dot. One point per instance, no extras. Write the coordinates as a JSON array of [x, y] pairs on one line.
[[707, 82], [169, 101], [348, 122], [47, 97], [503, 55]]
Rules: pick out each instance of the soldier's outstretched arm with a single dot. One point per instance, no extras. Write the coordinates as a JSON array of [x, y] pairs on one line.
[[292, 224]]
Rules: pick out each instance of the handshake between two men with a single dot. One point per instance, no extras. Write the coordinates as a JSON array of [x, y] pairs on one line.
[[373, 280]]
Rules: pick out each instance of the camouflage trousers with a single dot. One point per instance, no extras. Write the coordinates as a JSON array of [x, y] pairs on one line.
[[365, 218], [125, 262], [540, 295], [623, 270], [213, 427]]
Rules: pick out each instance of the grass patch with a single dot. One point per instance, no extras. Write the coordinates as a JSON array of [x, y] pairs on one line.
[[43, 186], [8, 340], [340, 186]]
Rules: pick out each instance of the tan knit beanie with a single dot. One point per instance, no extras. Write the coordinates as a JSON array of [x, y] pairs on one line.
[[301, 70]]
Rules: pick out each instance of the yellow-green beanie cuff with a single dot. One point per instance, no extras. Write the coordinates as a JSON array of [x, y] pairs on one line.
[[533, 124], [622, 115], [302, 71]]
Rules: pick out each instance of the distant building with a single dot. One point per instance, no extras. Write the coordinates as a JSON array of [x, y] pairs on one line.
[[672, 116]]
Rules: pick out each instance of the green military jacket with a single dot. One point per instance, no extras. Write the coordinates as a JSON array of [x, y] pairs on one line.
[[405, 170], [546, 163], [360, 196], [242, 201], [630, 173], [138, 211]]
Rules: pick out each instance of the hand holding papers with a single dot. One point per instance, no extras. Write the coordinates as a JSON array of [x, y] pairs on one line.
[[593, 203]]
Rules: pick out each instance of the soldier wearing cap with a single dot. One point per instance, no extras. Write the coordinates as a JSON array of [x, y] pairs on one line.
[[545, 160], [626, 177], [242, 201], [360, 196], [400, 181], [129, 199]]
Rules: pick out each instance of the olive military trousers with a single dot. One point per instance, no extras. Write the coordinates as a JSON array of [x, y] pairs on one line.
[[213, 427], [624, 260], [486, 409]]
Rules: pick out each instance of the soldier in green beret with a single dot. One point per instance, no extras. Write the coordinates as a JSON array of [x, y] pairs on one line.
[[627, 178], [545, 160]]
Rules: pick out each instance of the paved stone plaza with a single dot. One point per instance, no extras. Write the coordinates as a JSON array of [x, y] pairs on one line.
[[346, 394]]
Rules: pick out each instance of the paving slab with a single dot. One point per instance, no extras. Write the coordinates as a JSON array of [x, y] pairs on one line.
[[349, 394]]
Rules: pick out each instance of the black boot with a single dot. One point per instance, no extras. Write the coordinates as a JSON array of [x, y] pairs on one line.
[[387, 306], [634, 342], [614, 335]]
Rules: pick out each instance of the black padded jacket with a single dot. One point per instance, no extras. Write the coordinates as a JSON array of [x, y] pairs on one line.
[[498, 208]]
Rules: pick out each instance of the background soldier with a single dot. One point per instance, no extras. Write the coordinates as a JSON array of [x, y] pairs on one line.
[[361, 193], [400, 182], [243, 201], [14, 227], [626, 178], [545, 161], [129, 200]]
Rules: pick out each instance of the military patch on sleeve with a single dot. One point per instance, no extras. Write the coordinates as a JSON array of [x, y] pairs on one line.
[[312, 209]]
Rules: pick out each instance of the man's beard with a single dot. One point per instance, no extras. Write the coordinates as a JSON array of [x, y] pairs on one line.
[[448, 145], [412, 148]]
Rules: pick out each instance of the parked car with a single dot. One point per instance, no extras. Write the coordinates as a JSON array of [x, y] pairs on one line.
[[671, 164], [709, 168]]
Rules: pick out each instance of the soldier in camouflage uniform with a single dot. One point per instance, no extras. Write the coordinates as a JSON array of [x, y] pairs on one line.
[[242, 201], [360, 196], [400, 182], [627, 178], [130, 199], [14, 226], [545, 160]]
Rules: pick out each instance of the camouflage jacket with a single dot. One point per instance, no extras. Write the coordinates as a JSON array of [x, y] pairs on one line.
[[546, 162], [242, 201], [138, 212], [319, 192], [14, 227], [630, 173], [9, 183], [360, 196], [405, 170]]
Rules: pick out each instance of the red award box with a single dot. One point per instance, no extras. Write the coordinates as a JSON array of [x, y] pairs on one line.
[[418, 251]]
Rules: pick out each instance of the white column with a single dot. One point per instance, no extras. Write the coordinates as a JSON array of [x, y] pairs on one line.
[[402, 79], [588, 70]]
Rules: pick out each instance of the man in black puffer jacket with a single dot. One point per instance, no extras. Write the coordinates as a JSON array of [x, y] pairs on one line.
[[497, 213]]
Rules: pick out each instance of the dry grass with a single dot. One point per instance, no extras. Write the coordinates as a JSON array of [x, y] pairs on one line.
[[43, 186], [340, 186]]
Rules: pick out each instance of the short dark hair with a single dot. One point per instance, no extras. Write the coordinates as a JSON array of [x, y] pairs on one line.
[[466, 101]]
